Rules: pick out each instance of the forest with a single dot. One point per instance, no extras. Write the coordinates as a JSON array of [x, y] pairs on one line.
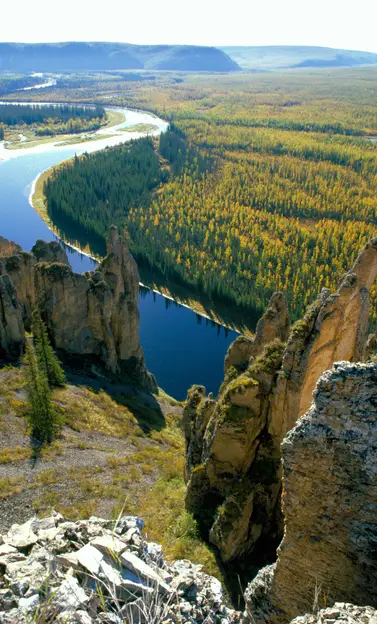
[[54, 119], [106, 185], [276, 187]]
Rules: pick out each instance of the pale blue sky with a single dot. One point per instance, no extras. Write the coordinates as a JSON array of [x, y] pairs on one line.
[[335, 23]]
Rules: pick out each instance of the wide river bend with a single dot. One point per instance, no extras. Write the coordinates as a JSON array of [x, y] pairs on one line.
[[181, 348]]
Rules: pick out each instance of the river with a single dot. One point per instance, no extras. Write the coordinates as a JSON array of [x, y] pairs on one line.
[[181, 348]]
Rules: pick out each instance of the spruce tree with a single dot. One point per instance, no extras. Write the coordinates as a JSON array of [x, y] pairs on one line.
[[41, 414], [47, 359]]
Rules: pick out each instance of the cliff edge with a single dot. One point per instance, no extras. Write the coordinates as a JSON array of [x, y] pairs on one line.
[[233, 465], [93, 315]]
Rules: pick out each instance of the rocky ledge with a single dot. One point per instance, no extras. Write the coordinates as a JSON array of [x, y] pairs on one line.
[[99, 571], [340, 613]]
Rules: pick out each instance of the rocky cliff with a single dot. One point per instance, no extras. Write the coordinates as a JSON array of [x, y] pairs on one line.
[[233, 462], [328, 553], [93, 315]]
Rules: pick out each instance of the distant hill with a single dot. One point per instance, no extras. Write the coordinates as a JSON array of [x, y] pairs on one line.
[[279, 57], [81, 56]]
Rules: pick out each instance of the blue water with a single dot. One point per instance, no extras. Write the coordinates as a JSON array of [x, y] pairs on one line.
[[180, 347]]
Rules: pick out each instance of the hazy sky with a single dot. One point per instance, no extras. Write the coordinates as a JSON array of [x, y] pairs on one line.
[[335, 23]]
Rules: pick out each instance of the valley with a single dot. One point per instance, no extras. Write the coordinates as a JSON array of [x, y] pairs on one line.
[[209, 305], [289, 197]]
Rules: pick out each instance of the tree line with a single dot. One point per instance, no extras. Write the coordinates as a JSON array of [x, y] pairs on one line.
[[106, 185], [15, 114]]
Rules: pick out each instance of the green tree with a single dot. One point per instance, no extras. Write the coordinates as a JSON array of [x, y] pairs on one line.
[[41, 414], [47, 360]]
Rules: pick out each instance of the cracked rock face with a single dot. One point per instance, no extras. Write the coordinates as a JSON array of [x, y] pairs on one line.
[[12, 332], [233, 455], [329, 503], [93, 315]]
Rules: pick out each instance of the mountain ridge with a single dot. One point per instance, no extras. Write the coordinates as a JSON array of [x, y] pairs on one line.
[[293, 57], [87, 55]]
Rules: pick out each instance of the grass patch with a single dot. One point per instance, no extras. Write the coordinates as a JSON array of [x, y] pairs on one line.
[[168, 523], [84, 139], [140, 127], [10, 486], [17, 453], [86, 410]]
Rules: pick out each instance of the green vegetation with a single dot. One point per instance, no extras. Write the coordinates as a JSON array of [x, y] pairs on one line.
[[290, 196], [141, 127], [14, 82], [47, 360], [41, 413], [52, 120], [107, 185], [103, 463], [43, 371]]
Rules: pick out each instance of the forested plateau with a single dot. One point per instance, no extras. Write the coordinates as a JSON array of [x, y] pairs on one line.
[[275, 187]]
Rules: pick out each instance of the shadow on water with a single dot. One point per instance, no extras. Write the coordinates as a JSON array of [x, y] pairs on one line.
[[221, 310]]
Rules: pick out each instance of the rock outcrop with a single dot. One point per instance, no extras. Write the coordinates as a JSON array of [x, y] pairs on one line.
[[49, 252], [328, 552], [8, 248], [274, 325], [340, 613], [12, 332], [233, 464], [94, 315], [90, 572]]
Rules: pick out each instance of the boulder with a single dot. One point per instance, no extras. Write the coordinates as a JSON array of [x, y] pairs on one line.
[[22, 536], [104, 582]]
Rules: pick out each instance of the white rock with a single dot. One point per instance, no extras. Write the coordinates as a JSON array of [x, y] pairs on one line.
[[50, 534], [109, 544], [29, 605], [22, 535], [143, 571], [6, 549], [69, 596], [154, 552], [32, 572], [129, 522], [67, 560], [19, 587], [90, 558]]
